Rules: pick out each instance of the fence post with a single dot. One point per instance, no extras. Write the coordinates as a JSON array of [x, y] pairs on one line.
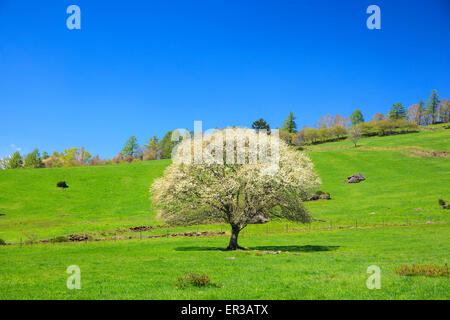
[[21, 242], [383, 222], [356, 223]]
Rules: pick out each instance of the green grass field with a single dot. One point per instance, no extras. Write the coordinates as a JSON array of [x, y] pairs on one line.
[[401, 193], [330, 265]]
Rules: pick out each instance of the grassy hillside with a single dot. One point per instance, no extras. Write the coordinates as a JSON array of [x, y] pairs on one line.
[[400, 187], [325, 261], [98, 198], [438, 139], [320, 265]]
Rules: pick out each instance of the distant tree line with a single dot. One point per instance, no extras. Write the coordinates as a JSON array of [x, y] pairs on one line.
[[398, 120], [132, 151], [329, 128]]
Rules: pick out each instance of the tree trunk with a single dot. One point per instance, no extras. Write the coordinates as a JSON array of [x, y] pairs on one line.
[[234, 239]]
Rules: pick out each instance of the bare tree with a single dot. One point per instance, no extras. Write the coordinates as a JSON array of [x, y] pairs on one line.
[[355, 134], [326, 121]]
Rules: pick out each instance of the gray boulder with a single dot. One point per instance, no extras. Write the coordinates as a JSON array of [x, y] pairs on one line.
[[258, 220], [353, 180], [356, 178]]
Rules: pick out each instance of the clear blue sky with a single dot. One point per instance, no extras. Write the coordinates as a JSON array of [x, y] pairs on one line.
[[145, 67]]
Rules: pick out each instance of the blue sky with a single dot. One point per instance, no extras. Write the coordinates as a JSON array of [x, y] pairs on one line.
[[145, 67]]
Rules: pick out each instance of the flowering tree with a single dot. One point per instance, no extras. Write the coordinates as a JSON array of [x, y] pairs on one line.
[[233, 189], [4, 163]]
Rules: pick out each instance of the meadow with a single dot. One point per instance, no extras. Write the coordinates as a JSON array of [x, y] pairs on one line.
[[320, 265], [390, 219]]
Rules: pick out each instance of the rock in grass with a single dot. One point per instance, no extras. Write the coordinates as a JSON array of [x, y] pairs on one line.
[[356, 178], [325, 196], [319, 195], [259, 220], [443, 204], [353, 180], [62, 184]]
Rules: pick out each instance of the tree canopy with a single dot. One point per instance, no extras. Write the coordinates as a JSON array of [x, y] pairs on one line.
[[397, 112], [15, 161], [260, 124], [289, 124], [235, 193], [356, 117], [131, 147]]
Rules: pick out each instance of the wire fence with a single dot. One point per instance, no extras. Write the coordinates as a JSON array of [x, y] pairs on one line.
[[274, 227]]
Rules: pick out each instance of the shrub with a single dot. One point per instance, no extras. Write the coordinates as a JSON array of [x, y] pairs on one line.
[[423, 270], [62, 184], [2, 242], [384, 127], [339, 131], [367, 128], [441, 202], [194, 280]]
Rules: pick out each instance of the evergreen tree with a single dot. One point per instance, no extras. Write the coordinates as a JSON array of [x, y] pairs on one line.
[[33, 160], [151, 149], [356, 117], [433, 106], [166, 145], [397, 112], [289, 124], [15, 161], [260, 124], [131, 147]]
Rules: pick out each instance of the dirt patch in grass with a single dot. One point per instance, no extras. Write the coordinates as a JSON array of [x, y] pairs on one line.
[[430, 153], [141, 228], [430, 270]]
